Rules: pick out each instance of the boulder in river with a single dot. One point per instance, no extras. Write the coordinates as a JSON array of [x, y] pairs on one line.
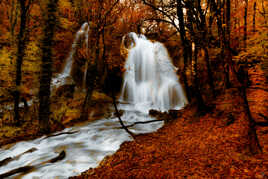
[[66, 89]]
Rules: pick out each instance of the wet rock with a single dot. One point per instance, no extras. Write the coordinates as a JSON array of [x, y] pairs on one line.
[[165, 116], [67, 89], [154, 113], [120, 113], [174, 113]]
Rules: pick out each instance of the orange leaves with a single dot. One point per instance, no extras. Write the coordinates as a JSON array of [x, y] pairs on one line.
[[194, 146]]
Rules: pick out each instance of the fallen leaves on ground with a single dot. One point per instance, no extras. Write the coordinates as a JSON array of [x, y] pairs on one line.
[[196, 147]]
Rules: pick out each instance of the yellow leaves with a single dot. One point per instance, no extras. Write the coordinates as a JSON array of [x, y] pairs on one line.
[[31, 64], [64, 4], [32, 49], [100, 96], [70, 115], [65, 23], [7, 67], [256, 47]]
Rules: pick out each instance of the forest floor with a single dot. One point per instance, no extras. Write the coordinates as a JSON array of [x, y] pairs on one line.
[[214, 145]]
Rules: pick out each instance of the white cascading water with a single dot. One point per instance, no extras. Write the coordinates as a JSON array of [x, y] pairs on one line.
[[150, 81], [87, 147], [61, 78]]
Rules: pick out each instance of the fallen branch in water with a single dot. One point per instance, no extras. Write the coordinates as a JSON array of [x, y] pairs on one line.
[[119, 118], [144, 122], [62, 133], [9, 159], [26, 169]]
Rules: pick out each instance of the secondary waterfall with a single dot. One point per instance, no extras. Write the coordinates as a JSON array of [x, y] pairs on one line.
[[62, 78], [150, 81]]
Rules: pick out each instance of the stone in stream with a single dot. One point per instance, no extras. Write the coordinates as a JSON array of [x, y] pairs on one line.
[[67, 89]]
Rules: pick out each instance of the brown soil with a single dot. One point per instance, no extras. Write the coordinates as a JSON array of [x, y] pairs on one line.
[[211, 146]]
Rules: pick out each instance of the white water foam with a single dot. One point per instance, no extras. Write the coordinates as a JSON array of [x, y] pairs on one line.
[[84, 149], [150, 81]]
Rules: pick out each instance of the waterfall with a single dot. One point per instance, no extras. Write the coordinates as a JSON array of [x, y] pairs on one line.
[[86, 64], [65, 75], [150, 80]]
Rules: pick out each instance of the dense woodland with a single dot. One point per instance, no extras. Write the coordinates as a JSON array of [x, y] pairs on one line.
[[219, 48]]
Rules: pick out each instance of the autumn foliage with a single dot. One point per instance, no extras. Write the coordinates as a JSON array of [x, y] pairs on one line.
[[219, 49]]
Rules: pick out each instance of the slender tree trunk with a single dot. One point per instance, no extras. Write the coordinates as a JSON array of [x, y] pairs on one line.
[[13, 19], [97, 58], [219, 22], [185, 44], [245, 24], [90, 85], [46, 71], [200, 101], [209, 72], [227, 43], [228, 20], [20, 55], [254, 144], [223, 11], [92, 74], [205, 47], [254, 16], [104, 70]]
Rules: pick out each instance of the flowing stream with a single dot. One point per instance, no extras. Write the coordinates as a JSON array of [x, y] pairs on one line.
[[150, 82], [84, 149]]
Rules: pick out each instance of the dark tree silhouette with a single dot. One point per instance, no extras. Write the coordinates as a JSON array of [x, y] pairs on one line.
[[46, 71], [24, 9]]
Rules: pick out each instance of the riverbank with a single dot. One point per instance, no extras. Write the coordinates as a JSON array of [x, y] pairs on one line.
[[211, 146], [65, 113]]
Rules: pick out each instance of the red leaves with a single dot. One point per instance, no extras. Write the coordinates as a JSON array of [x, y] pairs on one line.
[[193, 146]]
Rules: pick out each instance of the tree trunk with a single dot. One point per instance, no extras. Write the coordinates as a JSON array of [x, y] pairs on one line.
[[205, 47], [104, 68], [20, 55], [13, 19], [97, 58], [254, 144], [199, 98], [46, 71], [185, 44], [227, 43], [90, 85], [245, 24], [209, 72], [228, 20], [254, 16]]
